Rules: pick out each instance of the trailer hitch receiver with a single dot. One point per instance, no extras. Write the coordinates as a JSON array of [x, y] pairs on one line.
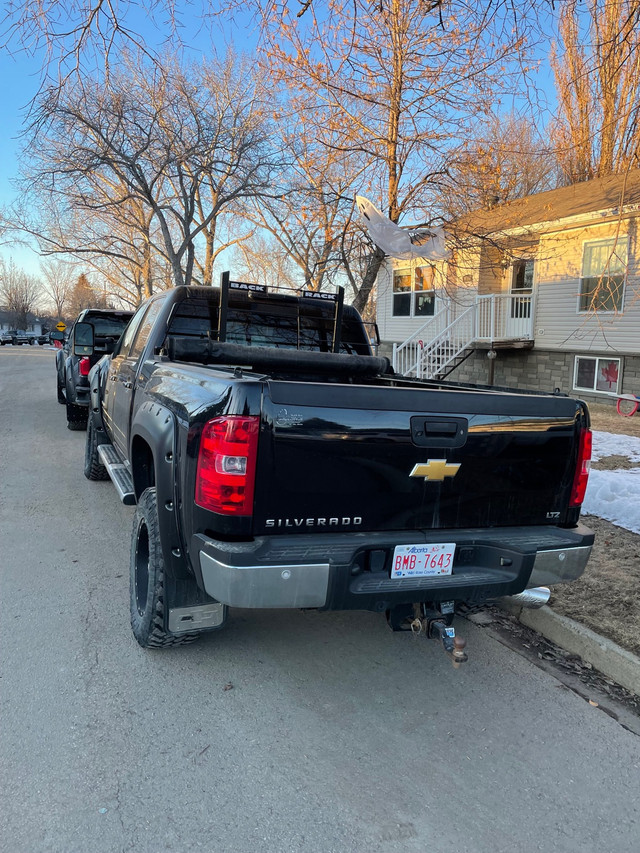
[[433, 624]]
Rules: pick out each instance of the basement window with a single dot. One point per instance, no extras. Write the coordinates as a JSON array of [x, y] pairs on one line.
[[599, 375]]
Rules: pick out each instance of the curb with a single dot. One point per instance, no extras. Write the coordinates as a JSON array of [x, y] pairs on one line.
[[611, 660]]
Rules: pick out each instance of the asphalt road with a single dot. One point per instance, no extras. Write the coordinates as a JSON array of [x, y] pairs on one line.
[[336, 735]]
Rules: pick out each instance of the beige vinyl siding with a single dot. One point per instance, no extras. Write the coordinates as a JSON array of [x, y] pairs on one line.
[[558, 322], [491, 275]]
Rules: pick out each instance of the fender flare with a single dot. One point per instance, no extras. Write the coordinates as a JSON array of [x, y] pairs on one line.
[[95, 404], [69, 384], [156, 425]]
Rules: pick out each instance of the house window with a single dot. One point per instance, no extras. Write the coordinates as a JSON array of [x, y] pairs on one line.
[[521, 286], [413, 292], [604, 264], [597, 374], [402, 293], [522, 277]]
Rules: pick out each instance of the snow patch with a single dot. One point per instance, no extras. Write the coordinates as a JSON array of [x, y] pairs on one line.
[[609, 444]]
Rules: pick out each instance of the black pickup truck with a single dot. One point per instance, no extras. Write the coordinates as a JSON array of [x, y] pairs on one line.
[[275, 462], [72, 371]]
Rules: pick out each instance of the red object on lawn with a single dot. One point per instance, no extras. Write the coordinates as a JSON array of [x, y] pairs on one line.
[[628, 405]]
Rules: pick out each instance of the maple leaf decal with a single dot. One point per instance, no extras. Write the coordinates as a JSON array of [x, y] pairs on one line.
[[610, 373]]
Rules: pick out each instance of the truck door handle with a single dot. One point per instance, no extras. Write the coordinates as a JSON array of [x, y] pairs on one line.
[[128, 384], [113, 377]]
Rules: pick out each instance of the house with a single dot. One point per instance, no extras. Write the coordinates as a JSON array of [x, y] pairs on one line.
[[540, 293], [11, 320]]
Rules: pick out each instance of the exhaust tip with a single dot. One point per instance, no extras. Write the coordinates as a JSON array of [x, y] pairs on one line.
[[532, 599]]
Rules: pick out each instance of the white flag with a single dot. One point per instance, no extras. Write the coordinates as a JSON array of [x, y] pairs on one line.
[[397, 242]]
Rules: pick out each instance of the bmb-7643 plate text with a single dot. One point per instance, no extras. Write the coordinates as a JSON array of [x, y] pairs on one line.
[[419, 561]]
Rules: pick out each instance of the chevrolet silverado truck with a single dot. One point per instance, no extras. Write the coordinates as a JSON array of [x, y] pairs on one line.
[[72, 371], [276, 463]]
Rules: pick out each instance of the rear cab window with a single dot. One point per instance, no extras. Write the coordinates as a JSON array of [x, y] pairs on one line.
[[279, 324]]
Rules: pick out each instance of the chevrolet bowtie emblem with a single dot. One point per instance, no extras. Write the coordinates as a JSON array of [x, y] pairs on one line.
[[435, 470]]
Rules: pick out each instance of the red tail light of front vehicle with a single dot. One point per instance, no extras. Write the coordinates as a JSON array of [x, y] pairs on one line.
[[227, 465], [84, 366], [582, 470]]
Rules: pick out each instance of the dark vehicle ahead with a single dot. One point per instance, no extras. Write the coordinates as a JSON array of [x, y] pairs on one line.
[[72, 371], [20, 336], [276, 463]]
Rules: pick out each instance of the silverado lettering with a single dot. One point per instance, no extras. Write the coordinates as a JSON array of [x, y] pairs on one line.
[[312, 522]]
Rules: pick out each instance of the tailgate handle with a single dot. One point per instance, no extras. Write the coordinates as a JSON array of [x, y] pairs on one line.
[[438, 432]]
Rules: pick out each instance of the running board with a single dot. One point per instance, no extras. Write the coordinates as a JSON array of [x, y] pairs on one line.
[[119, 473]]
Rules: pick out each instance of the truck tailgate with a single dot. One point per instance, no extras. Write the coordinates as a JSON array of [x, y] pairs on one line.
[[346, 457]]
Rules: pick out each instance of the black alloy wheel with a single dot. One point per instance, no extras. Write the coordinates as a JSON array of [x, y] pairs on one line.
[[146, 579]]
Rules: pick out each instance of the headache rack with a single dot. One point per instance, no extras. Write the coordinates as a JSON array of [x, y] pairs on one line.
[[226, 285]]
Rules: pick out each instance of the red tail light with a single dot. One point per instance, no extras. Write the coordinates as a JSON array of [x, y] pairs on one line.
[[582, 471], [227, 465], [84, 366]]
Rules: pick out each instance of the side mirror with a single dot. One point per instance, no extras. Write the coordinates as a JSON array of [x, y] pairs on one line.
[[83, 339], [56, 336]]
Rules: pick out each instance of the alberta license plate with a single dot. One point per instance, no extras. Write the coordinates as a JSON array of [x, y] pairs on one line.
[[419, 561]]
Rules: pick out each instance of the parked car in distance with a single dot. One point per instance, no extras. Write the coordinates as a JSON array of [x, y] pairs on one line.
[[72, 371], [5, 337], [20, 336]]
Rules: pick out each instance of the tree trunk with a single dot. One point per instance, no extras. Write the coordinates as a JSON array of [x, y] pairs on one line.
[[373, 267]]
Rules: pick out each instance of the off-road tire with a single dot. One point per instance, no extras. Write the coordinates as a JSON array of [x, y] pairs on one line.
[[76, 417], [93, 467], [146, 579]]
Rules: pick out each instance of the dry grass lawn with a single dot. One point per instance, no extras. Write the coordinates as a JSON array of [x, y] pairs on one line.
[[607, 597]]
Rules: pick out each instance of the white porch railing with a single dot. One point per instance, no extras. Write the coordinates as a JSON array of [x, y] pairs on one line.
[[444, 338], [504, 317], [449, 345], [408, 355]]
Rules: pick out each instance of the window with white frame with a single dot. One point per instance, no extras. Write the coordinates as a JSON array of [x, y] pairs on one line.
[[604, 266], [593, 373], [413, 292], [521, 288]]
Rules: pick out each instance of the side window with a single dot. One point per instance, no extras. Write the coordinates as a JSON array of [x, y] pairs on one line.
[[604, 267], [424, 296], [144, 330], [129, 333], [402, 293], [414, 292]]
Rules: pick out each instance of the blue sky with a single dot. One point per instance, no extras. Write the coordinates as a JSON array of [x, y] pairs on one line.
[[20, 76]]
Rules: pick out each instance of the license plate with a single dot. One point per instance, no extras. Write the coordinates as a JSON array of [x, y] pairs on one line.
[[423, 561]]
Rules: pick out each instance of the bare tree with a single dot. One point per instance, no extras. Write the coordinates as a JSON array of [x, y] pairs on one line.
[[57, 282], [307, 208], [148, 163], [19, 292], [397, 83], [260, 260], [596, 64], [504, 158]]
